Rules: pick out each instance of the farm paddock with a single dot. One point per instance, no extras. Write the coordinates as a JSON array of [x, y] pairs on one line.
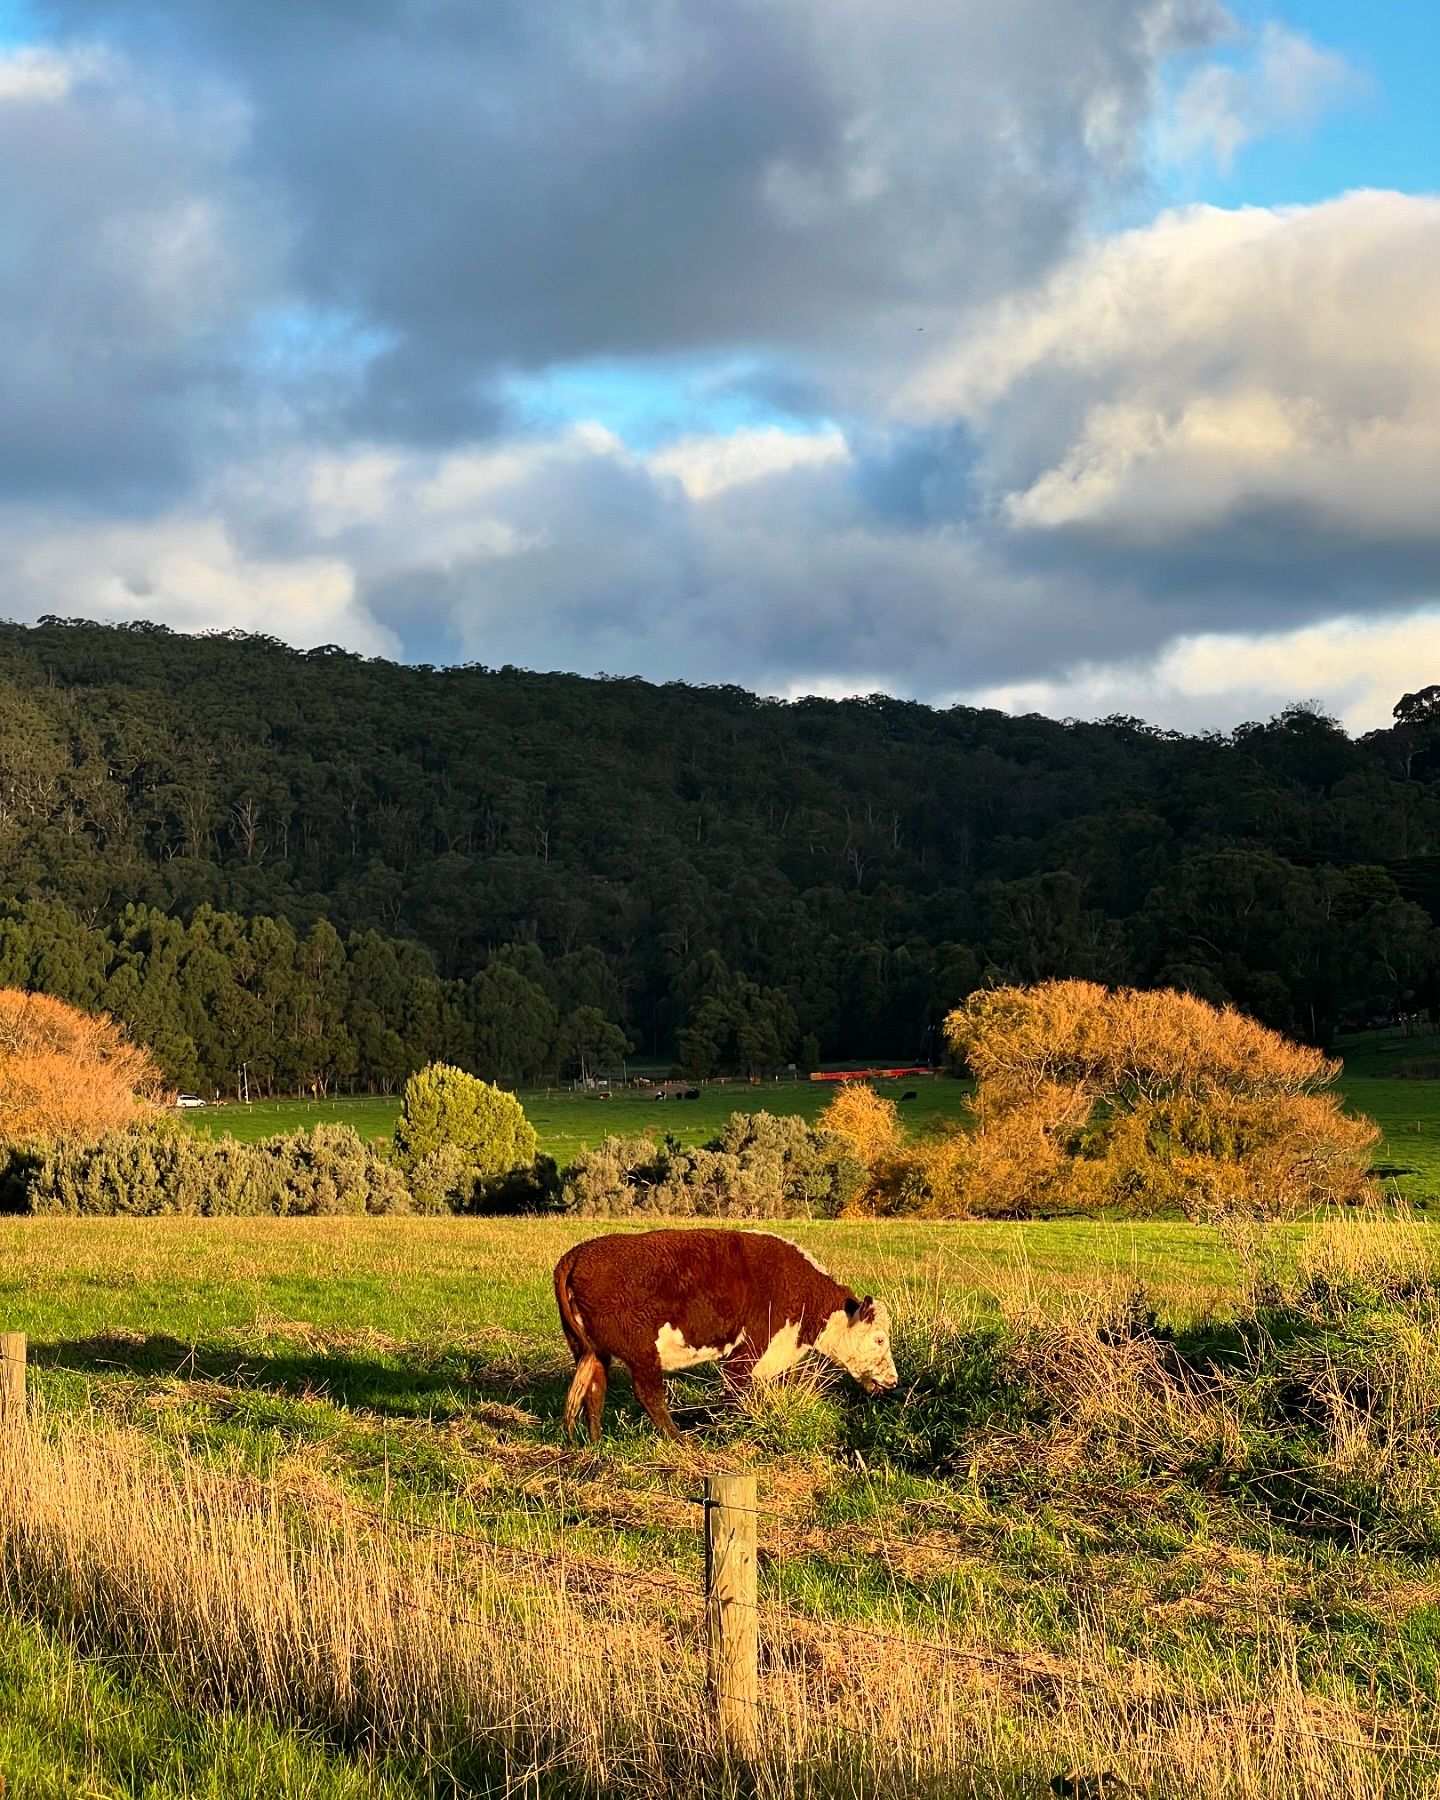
[[1407, 1111], [293, 1515]]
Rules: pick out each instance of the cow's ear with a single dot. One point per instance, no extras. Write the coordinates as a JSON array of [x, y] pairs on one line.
[[867, 1309], [852, 1306]]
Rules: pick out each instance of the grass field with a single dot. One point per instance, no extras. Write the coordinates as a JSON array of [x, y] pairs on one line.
[[568, 1122], [253, 1434], [1408, 1113], [295, 1516]]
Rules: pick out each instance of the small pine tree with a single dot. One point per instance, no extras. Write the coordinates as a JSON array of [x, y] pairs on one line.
[[445, 1106]]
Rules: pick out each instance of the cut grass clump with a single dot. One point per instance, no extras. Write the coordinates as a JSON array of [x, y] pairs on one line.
[[801, 1417]]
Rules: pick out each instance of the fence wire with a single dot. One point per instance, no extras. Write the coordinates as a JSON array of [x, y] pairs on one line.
[[779, 1615]]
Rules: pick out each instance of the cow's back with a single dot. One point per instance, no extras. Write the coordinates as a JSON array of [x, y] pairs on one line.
[[710, 1285]]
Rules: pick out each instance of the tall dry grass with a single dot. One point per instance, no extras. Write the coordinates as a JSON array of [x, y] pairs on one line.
[[533, 1673]]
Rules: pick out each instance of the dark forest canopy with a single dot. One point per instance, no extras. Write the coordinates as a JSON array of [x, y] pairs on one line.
[[720, 875]]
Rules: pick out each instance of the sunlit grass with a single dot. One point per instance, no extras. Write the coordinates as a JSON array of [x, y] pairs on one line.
[[1408, 1113], [365, 1533], [569, 1121]]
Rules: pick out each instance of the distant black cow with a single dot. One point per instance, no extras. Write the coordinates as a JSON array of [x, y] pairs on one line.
[[692, 1093], [909, 1094]]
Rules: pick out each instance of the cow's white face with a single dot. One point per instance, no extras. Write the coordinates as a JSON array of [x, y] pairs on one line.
[[858, 1338]]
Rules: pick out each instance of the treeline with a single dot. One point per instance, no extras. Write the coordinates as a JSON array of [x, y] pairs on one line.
[[222, 999], [719, 877]]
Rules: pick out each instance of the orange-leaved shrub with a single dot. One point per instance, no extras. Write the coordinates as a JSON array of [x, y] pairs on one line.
[[867, 1119], [1145, 1101], [65, 1073]]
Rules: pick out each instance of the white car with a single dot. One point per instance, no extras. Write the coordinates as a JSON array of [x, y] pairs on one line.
[[189, 1100]]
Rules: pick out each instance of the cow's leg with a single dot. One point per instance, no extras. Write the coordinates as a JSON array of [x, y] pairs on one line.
[[650, 1392], [595, 1398], [586, 1365]]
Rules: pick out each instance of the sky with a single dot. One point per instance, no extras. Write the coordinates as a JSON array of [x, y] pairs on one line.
[[1075, 359]]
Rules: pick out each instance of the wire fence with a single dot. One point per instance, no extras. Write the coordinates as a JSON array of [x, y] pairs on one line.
[[780, 1621], [733, 1593]]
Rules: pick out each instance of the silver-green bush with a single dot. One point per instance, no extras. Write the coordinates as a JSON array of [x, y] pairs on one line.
[[168, 1170], [760, 1167]]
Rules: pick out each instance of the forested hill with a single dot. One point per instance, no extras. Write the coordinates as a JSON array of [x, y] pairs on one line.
[[868, 861]]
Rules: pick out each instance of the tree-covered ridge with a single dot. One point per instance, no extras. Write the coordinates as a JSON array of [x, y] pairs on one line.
[[697, 861]]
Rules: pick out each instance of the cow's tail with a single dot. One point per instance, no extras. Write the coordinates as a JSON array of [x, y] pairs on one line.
[[587, 1362]]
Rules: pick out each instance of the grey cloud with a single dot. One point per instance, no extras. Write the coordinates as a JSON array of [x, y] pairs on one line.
[[523, 183], [133, 259], [585, 558], [1208, 424]]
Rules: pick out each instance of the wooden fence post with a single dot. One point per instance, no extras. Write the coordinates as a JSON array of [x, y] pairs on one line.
[[731, 1617], [12, 1376]]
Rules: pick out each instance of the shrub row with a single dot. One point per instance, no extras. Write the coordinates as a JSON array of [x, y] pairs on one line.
[[330, 1170], [168, 1170], [760, 1167]]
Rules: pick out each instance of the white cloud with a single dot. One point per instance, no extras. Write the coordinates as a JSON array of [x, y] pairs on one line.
[[34, 74], [188, 572], [1213, 364], [1284, 87], [1358, 668], [708, 465]]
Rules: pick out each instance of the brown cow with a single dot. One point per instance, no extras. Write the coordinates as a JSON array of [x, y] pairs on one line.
[[666, 1300]]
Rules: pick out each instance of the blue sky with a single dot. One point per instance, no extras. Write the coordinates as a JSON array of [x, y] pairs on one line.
[[1075, 358], [1387, 135]]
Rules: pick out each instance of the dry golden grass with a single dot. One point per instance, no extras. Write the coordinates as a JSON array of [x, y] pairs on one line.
[[534, 1671]]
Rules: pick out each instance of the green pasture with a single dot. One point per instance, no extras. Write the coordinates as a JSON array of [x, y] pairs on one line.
[[416, 1364], [447, 1280], [570, 1121], [1407, 1111]]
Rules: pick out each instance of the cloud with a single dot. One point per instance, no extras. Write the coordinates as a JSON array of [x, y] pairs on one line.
[[32, 73], [1177, 389], [507, 187], [1360, 666], [188, 573], [572, 551], [1285, 86], [290, 310], [707, 465], [134, 260]]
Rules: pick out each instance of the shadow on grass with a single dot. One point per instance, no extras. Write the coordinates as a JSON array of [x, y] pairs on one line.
[[421, 1384]]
